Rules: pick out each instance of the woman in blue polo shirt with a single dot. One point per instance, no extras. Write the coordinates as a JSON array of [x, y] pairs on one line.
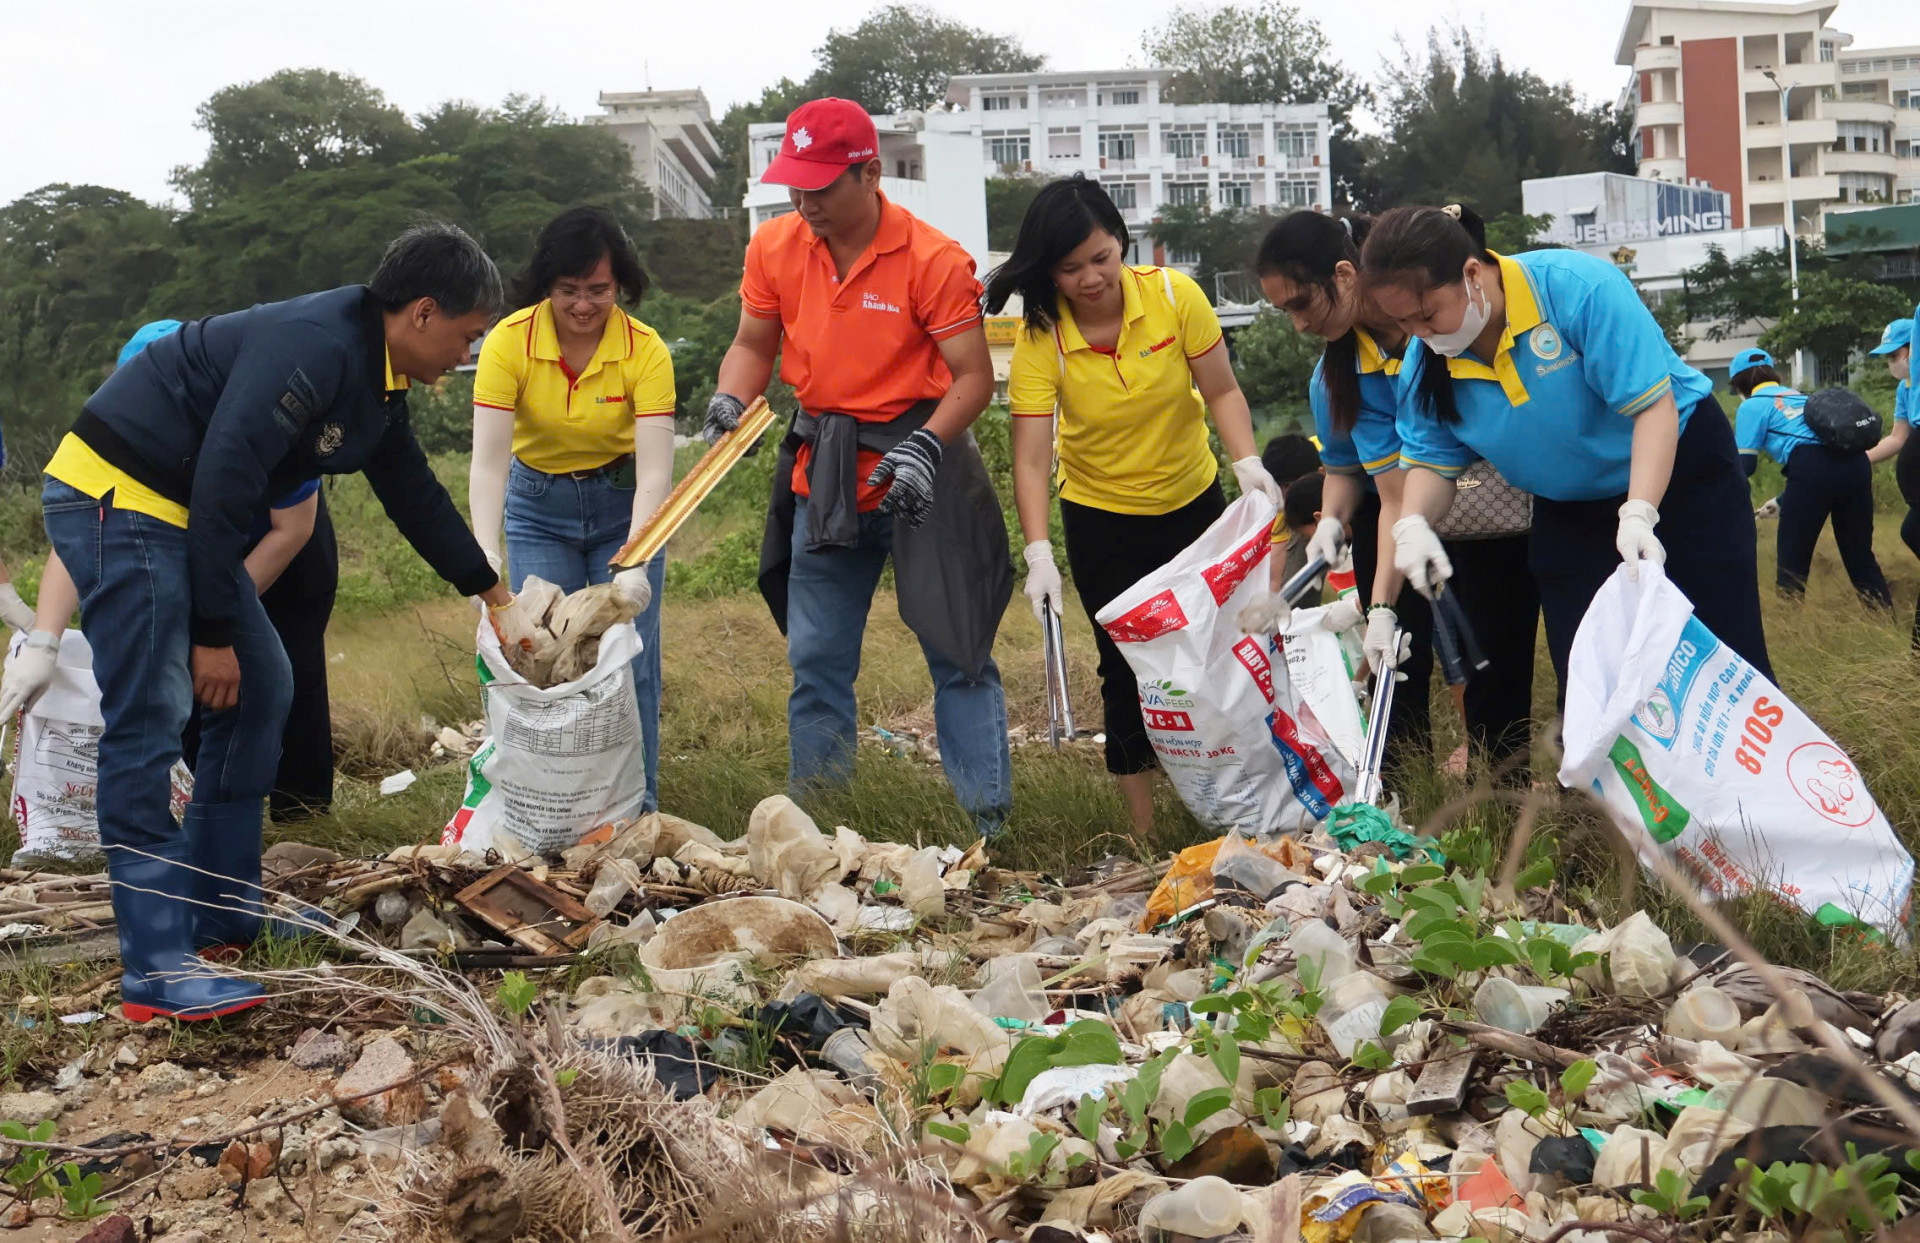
[[1549, 366], [1309, 267], [1821, 480], [1896, 346]]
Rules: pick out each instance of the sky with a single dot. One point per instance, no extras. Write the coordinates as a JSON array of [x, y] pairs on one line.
[[109, 87]]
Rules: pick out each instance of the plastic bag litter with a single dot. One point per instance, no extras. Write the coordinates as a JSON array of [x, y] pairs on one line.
[[56, 748], [1242, 747], [1702, 759], [915, 1019], [816, 1105], [787, 851], [1636, 958], [1189, 881]]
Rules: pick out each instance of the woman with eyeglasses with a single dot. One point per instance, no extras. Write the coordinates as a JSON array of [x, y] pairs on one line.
[[573, 432]]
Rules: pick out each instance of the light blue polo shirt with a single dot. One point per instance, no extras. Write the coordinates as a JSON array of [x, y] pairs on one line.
[[1552, 411], [1771, 422], [1903, 403], [1373, 445]]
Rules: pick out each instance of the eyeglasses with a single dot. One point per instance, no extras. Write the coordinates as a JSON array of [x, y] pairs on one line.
[[592, 295]]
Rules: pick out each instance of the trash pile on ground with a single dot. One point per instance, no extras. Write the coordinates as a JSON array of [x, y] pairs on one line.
[[772, 1036]]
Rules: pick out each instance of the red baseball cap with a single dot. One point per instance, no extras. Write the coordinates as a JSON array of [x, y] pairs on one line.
[[825, 137]]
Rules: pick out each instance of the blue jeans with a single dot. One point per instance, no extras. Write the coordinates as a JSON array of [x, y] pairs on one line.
[[829, 594], [136, 611], [566, 530]]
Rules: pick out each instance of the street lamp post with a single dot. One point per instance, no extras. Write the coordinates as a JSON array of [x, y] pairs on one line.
[[1786, 181]]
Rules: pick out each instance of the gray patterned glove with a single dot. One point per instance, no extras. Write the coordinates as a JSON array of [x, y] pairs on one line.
[[911, 465], [723, 415]]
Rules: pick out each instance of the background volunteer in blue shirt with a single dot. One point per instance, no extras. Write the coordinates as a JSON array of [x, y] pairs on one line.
[[1896, 346], [1309, 267], [1548, 365], [1821, 480], [150, 501]]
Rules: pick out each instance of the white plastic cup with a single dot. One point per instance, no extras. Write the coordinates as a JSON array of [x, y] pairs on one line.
[[1521, 1008], [1703, 1012]]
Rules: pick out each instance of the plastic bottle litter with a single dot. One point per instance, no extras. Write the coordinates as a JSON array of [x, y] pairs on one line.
[[1206, 1207], [1352, 1011], [1522, 1008], [1703, 1012], [616, 879], [846, 1051], [1240, 866], [1331, 954]]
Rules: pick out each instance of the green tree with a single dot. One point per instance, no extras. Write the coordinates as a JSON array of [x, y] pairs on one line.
[[1007, 201], [298, 120], [1835, 316], [775, 102], [901, 56], [76, 266], [1275, 364], [1255, 52], [1219, 241], [1730, 295], [1512, 232], [1462, 127]]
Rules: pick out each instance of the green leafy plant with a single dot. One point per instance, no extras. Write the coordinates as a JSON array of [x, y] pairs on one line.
[[1030, 1164], [957, 1132], [1086, 1043], [1856, 1199], [1370, 1056], [1274, 1107], [1528, 1099], [1575, 1079], [1136, 1098], [563, 1079], [1086, 1118], [516, 993], [1668, 1196], [80, 1194], [1399, 1012], [28, 1174]]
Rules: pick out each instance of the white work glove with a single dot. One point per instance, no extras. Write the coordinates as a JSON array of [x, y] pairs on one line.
[[1377, 646], [1418, 555], [1043, 579], [1266, 613], [29, 671], [1343, 614], [1329, 537], [635, 585], [1635, 538], [1253, 477], [511, 624], [14, 611], [1769, 510]]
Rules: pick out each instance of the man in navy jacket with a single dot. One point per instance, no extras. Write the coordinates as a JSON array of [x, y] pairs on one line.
[[150, 501]]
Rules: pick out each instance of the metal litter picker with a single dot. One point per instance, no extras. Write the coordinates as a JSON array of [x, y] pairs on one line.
[[1059, 704]]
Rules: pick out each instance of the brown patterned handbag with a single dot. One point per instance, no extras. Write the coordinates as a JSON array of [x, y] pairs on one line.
[[1485, 506]]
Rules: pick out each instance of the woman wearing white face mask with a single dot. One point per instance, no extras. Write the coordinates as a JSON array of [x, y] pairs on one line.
[[1549, 366]]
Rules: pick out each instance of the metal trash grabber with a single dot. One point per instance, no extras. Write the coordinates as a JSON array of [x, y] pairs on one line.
[[1296, 587], [1059, 705], [1368, 786], [1453, 641]]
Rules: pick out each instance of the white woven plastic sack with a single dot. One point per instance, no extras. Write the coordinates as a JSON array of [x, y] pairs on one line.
[[1701, 758], [55, 753], [1233, 735], [557, 763]]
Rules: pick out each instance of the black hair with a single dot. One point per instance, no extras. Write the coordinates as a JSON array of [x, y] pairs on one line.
[[1290, 456], [1753, 377], [434, 259], [571, 245], [1064, 214], [1426, 248], [1305, 246], [1302, 502]]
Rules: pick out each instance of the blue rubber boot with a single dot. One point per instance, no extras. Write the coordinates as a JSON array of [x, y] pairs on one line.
[[162, 975], [226, 850]]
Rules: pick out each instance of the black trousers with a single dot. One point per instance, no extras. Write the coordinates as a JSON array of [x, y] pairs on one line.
[[1910, 534], [1822, 483], [299, 604], [1496, 592], [1108, 553], [1706, 526]]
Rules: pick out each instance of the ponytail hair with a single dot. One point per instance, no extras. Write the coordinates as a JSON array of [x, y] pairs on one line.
[[1305, 246], [1423, 248]]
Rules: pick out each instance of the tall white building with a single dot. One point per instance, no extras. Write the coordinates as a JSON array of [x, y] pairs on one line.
[[934, 175], [674, 151], [1114, 126], [1706, 90]]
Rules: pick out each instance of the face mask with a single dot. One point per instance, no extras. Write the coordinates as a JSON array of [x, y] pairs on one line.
[[1472, 324], [1899, 367]]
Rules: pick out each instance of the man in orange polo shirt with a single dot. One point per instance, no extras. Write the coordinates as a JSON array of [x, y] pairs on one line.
[[875, 317]]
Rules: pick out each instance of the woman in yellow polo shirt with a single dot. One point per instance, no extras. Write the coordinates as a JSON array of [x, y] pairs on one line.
[[573, 432], [1128, 361]]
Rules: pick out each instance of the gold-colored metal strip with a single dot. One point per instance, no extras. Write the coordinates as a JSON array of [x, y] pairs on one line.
[[690, 491]]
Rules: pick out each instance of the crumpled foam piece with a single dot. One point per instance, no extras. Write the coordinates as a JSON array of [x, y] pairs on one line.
[[786, 850], [915, 1018]]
